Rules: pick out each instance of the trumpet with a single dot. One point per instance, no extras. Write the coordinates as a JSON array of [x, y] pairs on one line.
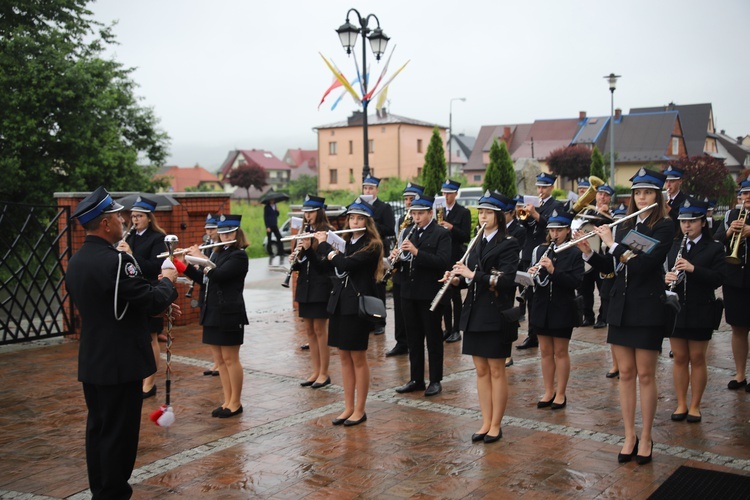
[[522, 213], [293, 260], [591, 234], [312, 235], [472, 244], [736, 241], [673, 285], [202, 247], [392, 262], [407, 221]]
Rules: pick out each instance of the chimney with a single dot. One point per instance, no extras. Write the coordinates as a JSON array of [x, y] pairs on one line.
[[618, 114], [581, 116], [739, 140], [723, 132], [355, 118], [506, 135]]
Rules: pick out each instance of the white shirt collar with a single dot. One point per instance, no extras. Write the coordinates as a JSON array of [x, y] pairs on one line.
[[489, 237]]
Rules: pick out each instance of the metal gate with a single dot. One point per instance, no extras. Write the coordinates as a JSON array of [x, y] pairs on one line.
[[33, 303]]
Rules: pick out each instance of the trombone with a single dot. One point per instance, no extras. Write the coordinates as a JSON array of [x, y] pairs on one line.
[[736, 241]]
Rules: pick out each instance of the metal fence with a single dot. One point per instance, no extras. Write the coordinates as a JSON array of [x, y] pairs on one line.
[[33, 303]]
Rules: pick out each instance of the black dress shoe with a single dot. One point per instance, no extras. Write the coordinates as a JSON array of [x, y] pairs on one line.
[[679, 417], [215, 413], [433, 388], [410, 386], [151, 392], [671, 354], [379, 330], [587, 322], [338, 421], [307, 383], [318, 385], [446, 334], [560, 406], [528, 343], [734, 385], [600, 324], [349, 423], [492, 439], [477, 436], [643, 459], [397, 351], [627, 457], [208, 372], [226, 412], [509, 363], [693, 419], [305, 347], [454, 337], [747, 388], [215, 373], [545, 404], [613, 374]]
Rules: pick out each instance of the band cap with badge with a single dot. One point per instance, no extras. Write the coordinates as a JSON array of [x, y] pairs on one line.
[[211, 222], [371, 181], [143, 205], [673, 173], [229, 223], [545, 179], [450, 186], [312, 203], [648, 179], [693, 209], [492, 200], [411, 189], [95, 204]]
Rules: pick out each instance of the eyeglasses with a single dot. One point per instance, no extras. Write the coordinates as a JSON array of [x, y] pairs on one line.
[[137, 216]]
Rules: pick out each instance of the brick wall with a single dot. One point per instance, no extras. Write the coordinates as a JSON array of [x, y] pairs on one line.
[[185, 220]]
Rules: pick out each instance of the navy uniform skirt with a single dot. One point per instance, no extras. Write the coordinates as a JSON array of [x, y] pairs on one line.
[[313, 310], [349, 332], [693, 333], [735, 305], [214, 335], [485, 345], [637, 337]]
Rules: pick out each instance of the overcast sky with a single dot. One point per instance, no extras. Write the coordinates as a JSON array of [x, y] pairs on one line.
[[246, 74]]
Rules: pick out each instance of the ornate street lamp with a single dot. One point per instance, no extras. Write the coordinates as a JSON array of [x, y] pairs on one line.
[[378, 42], [612, 79]]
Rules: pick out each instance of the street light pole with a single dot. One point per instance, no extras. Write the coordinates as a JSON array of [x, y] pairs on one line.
[[378, 43], [450, 133], [612, 79]]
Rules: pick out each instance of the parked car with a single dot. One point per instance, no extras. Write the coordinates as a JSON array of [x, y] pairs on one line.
[[469, 196]]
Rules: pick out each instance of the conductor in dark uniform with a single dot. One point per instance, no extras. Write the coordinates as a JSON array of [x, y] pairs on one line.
[[457, 220], [386, 225], [115, 302], [536, 233], [423, 260]]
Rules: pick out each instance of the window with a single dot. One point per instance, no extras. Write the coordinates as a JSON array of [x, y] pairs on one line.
[[351, 147], [351, 176], [419, 145], [332, 148], [419, 172], [333, 132], [675, 145], [477, 177], [458, 153], [273, 174], [371, 144], [382, 130], [334, 176]]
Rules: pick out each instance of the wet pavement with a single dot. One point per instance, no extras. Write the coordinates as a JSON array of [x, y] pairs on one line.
[[284, 446]]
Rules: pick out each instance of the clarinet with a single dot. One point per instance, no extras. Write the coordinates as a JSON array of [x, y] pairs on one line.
[[673, 285], [462, 260], [392, 262], [539, 267], [295, 256]]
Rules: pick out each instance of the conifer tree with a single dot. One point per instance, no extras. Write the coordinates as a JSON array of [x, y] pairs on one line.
[[434, 171], [597, 165]]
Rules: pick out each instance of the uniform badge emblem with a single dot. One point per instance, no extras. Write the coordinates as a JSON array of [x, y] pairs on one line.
[[131, 270]]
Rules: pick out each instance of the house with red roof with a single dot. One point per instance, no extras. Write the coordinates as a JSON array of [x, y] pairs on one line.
[[278, 173], [302, 161], [190, 179]]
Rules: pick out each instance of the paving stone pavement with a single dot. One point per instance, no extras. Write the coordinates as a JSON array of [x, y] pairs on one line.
[[284, 446]]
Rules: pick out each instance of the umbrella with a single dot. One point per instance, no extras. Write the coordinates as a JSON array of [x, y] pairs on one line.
[[161, 200], [272, 195]]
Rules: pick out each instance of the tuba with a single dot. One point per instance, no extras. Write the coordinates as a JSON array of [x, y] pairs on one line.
[[589, 196]]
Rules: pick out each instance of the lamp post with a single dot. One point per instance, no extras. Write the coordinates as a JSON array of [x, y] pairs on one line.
[[612, 79], [450, 132], [378, 42]]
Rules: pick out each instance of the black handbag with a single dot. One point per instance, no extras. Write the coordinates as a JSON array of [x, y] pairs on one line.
[[578, 310], [371, 308], [510, 325], [671, 310]]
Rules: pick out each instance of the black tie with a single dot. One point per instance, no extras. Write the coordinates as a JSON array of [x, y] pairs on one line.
[[419, 232], [690, 245], [482, 246]]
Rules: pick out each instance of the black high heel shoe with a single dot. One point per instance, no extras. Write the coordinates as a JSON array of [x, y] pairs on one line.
[[643, 460], [627, 457], [546, 404]]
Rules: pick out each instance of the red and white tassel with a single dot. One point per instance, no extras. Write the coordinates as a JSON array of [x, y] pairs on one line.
[[163, 417]]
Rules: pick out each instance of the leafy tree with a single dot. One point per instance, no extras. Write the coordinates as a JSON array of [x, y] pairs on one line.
[[492, 174], [434, 169], [304, 184], [70, 120], [597, 165], [704, 177], [572, 162], [247, 176], [391, 189]]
